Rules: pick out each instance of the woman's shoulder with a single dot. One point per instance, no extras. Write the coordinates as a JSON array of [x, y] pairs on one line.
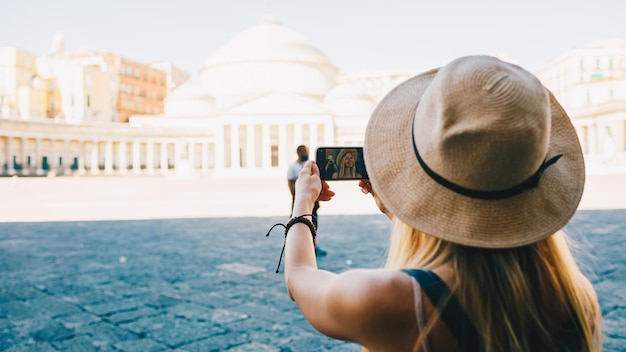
[[373, 294], [368, 300]]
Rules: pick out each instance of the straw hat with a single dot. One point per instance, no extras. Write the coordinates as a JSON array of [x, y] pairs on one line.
[[345, 151], [340, 162], [478, 153]]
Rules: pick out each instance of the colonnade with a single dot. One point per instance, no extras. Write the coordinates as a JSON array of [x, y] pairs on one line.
[[602, 138], [24, 155], [604, 143], [267, 146], [231, 147]]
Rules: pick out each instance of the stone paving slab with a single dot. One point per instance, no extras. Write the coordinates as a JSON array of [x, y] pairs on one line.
[[209, 284]]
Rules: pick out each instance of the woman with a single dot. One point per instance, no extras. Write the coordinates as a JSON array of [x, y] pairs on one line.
[[346, 161], [479, 168]]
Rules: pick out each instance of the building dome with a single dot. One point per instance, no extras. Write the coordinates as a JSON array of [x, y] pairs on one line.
[[608, 43], [349, 99], [268, 40], [189, 99], [267, 57]]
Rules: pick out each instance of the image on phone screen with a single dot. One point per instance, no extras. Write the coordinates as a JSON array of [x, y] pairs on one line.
[[341, 163]]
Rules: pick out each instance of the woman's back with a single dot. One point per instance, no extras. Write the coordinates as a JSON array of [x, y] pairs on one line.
[[510, 299], [479, 167]]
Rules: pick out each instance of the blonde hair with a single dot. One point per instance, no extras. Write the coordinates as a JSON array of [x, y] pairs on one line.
[[340, 158], [518, 298]]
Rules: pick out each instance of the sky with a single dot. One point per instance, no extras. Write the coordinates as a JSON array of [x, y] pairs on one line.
[[392, 35]]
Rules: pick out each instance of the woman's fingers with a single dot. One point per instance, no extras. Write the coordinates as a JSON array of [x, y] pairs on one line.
[[315, 170], [326, 194], [308, 184], [309, 181], [366, 186]]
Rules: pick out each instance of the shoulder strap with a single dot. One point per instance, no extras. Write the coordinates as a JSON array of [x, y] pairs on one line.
[[449, 309]]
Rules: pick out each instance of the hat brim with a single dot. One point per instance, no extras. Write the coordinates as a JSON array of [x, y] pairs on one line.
[[419, 201]]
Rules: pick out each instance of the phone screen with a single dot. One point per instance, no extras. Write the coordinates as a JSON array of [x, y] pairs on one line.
[[341, 163]]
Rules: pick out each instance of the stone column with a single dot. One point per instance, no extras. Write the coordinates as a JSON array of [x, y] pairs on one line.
[[282, 145], [593, 140], [53, 159], [297, 134], [81, 157], [235, 156], [3, 156], [108, 157], [66, 167], [618, 128], [312, 140], [177, 151], [205, 158], [266, 147], [136, 158], [95, 158], [617, 135], [250, 152], [23, 158], [123, 163], [219, 148], [164, 166], [191, 150], [9, 156], [329, 134], [37, 157], [150, 157]]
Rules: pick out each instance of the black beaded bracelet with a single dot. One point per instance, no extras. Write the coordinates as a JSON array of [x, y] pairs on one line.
[[297, 219], [303, 220]]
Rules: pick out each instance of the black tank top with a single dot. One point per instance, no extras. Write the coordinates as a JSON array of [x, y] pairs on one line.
[[457, 321], [449, 309]]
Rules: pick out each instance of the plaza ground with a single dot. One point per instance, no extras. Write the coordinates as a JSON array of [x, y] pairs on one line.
[[198, 273], [132, 198]]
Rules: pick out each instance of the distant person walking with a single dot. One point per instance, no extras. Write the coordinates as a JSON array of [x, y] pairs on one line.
[[292, 176]]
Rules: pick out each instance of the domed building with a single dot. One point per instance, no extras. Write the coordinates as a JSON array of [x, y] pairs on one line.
[[351, 107], [266, 58], [258, 97], [189, 100]]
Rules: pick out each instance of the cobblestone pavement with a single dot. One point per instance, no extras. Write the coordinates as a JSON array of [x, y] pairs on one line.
[[209, 284]]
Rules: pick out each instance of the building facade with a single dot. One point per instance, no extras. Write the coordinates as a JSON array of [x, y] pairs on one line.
[[22, 91], [256, 99], [590, 83], [142, 88], [174, 75], [261, 95], [81, 87], [40, 148]]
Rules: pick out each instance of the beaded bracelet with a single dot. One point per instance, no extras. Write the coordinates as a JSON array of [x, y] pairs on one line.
[[290, 223], [303, 220]]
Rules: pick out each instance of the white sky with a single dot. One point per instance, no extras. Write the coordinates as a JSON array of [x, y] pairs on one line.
[[388, 35]]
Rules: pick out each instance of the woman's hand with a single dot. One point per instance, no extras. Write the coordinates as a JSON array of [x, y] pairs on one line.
[[366, 187], [310, 187], [326, 194]]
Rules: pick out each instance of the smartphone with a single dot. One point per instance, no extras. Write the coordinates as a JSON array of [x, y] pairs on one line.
[[341, 163]]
